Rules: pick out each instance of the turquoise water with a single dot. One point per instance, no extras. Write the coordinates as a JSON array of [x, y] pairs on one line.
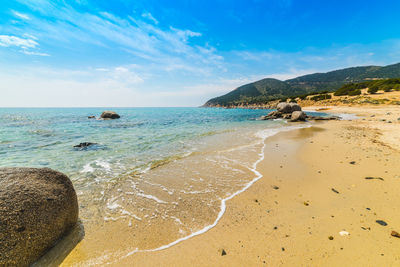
[[44, 137], [156, 177]]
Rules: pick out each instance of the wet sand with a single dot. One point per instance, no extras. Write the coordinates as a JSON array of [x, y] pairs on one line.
[[313, 188]]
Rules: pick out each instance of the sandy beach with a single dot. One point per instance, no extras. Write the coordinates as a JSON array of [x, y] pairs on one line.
[[328, 197]]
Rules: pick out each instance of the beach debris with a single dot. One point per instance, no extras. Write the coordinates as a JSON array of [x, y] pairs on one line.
[[344, 233], [275, 227], [374, 178], [352, 162], [275, 187], [109, 115], [395, 234], [366, 228], [223, 252], [381, 222], [91, 117], [372, 116], [283, 249], [330, 237], [334, 190], [306, 203]]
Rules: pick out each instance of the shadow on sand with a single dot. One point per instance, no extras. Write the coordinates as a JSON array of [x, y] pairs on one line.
[[56, 255]]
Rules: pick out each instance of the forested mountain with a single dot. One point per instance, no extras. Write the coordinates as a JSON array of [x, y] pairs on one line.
[[271, 89]]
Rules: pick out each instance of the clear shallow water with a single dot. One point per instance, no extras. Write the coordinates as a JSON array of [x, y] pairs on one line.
[[157, 175], [45, 137]]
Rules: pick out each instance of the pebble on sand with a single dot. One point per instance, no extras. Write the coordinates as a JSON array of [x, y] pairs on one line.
[[381, 222], [395, 234]]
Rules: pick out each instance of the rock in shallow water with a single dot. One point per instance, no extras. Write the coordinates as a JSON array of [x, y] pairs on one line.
[[85, 144], [109, 115], [37, 208]]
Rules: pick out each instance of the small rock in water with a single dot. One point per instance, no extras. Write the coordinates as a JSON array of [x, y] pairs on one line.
[[383, 223], [334, 190], [395, 234], [85, 144], [109, 115], [91, 117], [223, 253]]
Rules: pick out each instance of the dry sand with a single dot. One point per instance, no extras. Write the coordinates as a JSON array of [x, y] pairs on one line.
[[313, 188]]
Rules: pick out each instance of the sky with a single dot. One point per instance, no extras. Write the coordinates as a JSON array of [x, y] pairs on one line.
[[146, 53]]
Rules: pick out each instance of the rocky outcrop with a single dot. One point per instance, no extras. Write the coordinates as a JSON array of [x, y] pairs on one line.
[[37, 208], [293, 112], [298, 116], [286, 108], [109, 115]]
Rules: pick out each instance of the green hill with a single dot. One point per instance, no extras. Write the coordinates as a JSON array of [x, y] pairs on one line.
[[269, 89]]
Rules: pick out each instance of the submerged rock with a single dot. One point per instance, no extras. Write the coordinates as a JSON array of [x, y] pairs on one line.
[[109, 115], [91, 117], [85, 144], [37, 208]]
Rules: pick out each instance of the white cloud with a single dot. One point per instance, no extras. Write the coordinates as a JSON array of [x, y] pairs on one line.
[[21, 15], [9, 40], [33, 53], [149, 16]]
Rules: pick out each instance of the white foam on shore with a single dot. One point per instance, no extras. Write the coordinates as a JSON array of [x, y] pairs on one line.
[[263, 134], [152, 198]]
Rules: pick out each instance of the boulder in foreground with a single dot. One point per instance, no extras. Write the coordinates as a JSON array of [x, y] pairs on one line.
[[109, 115], [37, 208]]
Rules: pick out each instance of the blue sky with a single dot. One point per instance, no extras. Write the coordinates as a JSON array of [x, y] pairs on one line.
[[181, 52]]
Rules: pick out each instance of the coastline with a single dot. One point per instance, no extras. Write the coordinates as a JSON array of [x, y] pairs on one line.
[[269, 224]]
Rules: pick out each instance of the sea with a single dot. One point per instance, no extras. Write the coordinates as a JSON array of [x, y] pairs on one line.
[[154, 178]]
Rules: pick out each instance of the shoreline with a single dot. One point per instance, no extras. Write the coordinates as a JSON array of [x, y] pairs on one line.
[[244, 222], [264, 135], [290, 189]]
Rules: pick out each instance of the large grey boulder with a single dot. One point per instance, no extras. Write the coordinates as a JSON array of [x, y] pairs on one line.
[[109, 115], [295, 107], [37, 208], [286, 108], [298, 116]]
